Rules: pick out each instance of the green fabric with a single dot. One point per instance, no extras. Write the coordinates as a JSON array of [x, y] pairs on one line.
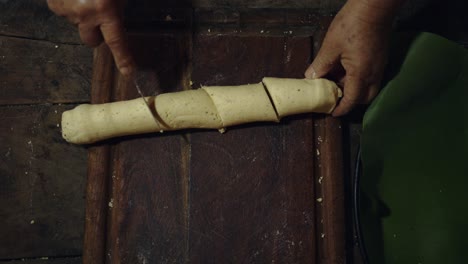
[[414, 185]]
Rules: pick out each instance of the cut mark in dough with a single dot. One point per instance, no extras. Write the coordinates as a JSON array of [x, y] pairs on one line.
[[271, 101]]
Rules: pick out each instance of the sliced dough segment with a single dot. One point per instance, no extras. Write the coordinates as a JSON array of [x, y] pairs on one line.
[[90, 123], [242, 104], [296, 96], [187, 109]]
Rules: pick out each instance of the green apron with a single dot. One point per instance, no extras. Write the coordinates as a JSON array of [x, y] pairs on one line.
[[414, 146]]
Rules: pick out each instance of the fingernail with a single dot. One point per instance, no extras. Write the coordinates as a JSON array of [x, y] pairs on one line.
[[124, 71], [314, 74], [310, 73]]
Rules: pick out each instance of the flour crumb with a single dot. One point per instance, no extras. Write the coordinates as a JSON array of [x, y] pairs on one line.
[[111, 203], [319, 200], [222, 130], [32, 222]]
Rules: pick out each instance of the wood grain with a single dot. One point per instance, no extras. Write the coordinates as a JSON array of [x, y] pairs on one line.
[[32, 19], [148, 220], [34, 72], [329, 174], [41, 185], [94, 246], [251, 188], [45, 260], [329, 5]]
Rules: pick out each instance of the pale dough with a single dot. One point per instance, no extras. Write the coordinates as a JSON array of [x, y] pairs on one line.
[[213, 107]]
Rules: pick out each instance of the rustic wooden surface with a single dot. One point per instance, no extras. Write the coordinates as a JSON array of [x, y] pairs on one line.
[[42, 184], [245, 196], [45, 260], [42, 178], [35, 77], [32, 19], [252, 189], [36, 71], [97, 184]]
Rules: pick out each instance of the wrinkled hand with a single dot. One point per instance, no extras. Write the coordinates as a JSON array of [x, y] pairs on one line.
[[98, 20], [354, 52]]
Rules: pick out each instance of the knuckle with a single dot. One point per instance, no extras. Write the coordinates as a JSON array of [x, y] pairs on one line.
[[102, 6], [114, 42]]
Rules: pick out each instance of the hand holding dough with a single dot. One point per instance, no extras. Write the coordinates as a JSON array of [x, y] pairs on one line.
[[213, 107]]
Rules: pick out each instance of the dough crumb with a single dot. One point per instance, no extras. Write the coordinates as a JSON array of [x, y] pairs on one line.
[[168, 18], [322, 235], [222, 130], [56, 46], [161, 131], [32, 222], [319, 200], [320, 180], [111, 203]]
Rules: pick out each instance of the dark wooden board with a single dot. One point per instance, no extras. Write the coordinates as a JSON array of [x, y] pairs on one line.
[[331, 5], [94, 244], [252, 189], [33, 20], [245, 196], [41, 185], [148, 220], [43, 72], [45, 260]]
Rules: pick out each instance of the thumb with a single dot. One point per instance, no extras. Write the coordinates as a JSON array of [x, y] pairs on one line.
[[323, 63]]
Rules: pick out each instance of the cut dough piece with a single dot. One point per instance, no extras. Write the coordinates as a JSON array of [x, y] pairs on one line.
[[209, 107], [193, 108], [90, 123], [242, 104], [295, 96]]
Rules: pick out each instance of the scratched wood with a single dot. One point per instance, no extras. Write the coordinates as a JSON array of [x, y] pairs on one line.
[[97, 185], [33, 20], [246, 196], [43, 72], [148, 220], [41, 185], [252, 189], [45, 260], [41, 177], [331, 5]]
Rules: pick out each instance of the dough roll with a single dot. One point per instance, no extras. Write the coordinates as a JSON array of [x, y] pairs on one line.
[[214, 107]]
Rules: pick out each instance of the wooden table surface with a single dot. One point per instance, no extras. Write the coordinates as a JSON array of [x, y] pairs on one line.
[[258, 193], [45, 70]]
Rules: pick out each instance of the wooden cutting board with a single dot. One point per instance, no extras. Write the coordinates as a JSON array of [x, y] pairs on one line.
[[258, 193]]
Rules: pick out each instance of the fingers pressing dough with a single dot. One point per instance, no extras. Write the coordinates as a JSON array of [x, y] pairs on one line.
[[213, 107]]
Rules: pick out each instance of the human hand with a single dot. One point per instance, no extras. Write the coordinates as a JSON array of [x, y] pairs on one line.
[[354, 51], [98, 20]]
